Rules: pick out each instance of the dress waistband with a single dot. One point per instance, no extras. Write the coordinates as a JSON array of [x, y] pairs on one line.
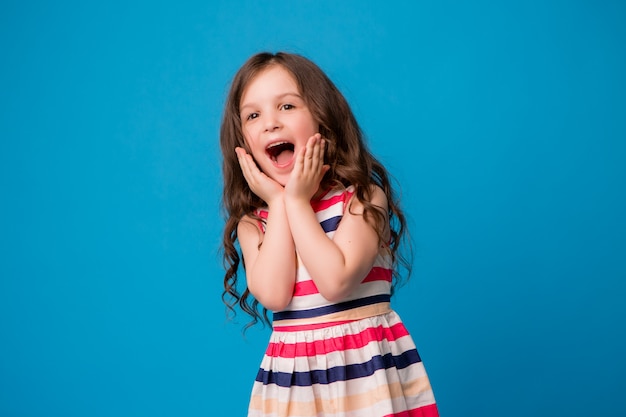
[[332, 315]]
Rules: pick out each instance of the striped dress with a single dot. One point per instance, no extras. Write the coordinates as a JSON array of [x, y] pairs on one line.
[[349, 359]]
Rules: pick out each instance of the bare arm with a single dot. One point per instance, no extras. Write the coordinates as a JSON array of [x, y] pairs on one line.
[[269, 258], [349, 256]]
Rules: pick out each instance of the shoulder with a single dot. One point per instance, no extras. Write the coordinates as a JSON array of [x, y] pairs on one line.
[[374, 209], [375, 196], [249, 225], [378, 196]]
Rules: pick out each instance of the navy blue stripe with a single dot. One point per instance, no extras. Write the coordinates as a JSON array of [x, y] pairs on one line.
[[339, 373], [330, 225], [321, 311]]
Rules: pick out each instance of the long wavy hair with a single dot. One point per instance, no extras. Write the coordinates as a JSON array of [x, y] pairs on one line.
[[347, 154]]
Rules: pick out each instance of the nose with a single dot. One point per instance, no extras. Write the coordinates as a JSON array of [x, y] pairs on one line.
[[272, 121]]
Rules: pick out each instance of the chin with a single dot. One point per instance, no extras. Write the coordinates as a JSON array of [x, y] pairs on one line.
[[282, 181], [281, 178]]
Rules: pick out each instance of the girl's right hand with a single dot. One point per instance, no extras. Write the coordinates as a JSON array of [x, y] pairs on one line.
[[263, 186]]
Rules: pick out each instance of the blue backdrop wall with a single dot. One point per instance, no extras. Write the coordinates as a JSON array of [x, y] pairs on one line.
[[503, 122]]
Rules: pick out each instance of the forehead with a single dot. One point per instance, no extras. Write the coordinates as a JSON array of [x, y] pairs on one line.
[[270, 82]]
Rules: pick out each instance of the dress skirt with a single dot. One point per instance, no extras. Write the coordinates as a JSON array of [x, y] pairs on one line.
[[363, 368]]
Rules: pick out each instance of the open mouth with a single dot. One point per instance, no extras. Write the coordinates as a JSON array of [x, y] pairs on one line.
[[280, 152]]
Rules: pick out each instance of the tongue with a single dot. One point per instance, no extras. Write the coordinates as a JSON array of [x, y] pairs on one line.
[[284, 157]]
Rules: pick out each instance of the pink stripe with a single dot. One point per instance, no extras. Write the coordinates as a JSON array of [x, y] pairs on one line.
[[378, 274], [315, 326], [424, 411], [308, 287], [320, 205], [263, 215], [305, 288], [324, 346]]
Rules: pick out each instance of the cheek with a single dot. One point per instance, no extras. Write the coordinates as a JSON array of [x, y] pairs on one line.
[[247, 138], [308, 127], [315, 125], [251, 135]]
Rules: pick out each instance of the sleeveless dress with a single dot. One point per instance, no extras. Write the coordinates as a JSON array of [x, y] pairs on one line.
[[349, 359]]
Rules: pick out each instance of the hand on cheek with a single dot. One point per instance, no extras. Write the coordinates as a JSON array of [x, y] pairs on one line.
[[309, 169], [263, 186]]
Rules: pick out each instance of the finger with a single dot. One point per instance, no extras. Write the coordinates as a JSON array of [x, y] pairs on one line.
[[318, 157], [311, 148], [299, 165], [322, 150], [256, 175], [249, 169], [315, 160], [241, 159]]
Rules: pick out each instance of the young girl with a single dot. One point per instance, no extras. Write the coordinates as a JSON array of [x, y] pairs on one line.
[[318, 227]]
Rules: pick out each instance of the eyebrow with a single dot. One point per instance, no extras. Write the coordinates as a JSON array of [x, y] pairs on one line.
[[278, 97]]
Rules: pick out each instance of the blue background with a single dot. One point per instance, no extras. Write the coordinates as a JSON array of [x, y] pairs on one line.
[[503, 122]]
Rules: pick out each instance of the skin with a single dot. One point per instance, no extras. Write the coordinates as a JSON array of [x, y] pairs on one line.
[[273, 109]]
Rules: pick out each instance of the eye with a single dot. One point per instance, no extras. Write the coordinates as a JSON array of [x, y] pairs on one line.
[[287, 107], [252, 116]]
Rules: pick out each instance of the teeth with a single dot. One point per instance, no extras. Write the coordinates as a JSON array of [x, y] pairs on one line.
[[276, 144]]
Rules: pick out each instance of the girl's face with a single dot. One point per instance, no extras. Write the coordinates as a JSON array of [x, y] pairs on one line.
[[275, 121]]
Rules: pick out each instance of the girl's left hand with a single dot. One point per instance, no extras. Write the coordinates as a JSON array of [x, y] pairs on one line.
[[308, 171]]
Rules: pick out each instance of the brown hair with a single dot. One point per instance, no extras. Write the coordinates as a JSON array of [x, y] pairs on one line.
[[350, 161]]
